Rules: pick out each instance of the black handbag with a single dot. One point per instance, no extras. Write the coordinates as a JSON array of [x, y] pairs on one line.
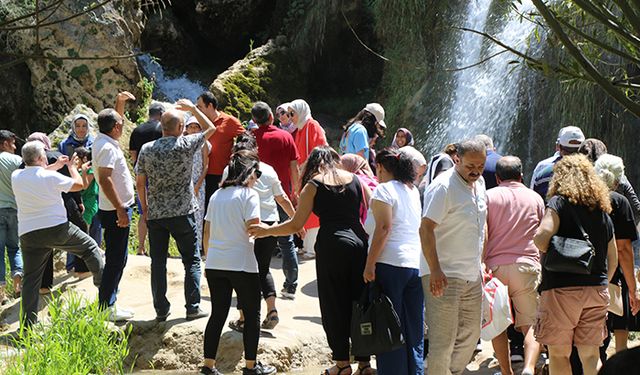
[[570, 255], [375, 326]]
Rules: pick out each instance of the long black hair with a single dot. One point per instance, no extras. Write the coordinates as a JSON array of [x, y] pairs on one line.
[[398, 164], [322, 159], [367, 119], [241, 166]]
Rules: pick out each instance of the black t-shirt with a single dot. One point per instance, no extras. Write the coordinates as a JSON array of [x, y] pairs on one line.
[[598, 226], [145, 132], [622, 218]]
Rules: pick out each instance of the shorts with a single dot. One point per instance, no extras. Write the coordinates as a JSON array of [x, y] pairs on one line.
[[573, 315], [522, 280]]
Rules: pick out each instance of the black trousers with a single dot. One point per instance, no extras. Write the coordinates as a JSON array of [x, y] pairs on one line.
[[340, 259], [221, 286], [212, 183], [263, 249]]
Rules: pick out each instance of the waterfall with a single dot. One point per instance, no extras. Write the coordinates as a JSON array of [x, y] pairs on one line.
[[485, 96], [168, 88]]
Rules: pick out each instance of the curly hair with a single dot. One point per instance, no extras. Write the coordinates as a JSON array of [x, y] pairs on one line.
[[575, 179]]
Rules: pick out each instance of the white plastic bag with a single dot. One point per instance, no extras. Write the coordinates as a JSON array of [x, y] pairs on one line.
[[496, 309]]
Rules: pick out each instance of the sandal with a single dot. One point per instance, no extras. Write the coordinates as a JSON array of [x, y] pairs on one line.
[[340, 369], [361, 370], [237, 325], [271, 320]]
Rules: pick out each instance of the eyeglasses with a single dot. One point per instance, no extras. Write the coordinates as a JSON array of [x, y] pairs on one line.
[[257, 172]]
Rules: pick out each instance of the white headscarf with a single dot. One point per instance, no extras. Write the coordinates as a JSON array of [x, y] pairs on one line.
[[303, 110]]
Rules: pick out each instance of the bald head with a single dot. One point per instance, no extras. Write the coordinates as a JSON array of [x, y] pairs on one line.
[[509, 168], [171, 122]]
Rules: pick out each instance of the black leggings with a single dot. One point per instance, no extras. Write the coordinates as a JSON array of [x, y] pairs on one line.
[[263, 249], [221, 286]]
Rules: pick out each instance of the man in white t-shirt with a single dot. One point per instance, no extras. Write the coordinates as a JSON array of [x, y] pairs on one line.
[[452, 235], [43, 223], [114, 202]]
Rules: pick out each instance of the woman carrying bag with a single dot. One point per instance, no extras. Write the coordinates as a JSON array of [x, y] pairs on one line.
[[574, 297], [393, 262]]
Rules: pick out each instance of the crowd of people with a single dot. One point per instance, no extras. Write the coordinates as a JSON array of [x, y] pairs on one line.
[[427, 232]]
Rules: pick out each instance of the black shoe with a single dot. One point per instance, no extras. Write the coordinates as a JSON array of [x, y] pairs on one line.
[[259, 369], [204, 370], [197, 314], [163, 317]]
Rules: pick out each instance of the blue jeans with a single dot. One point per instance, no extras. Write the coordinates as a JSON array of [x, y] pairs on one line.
[[289, 257], [183, 230], [404, 288], [116, 240], [9, 239]]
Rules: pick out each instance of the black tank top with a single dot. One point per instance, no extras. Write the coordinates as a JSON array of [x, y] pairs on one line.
[[338, 206]]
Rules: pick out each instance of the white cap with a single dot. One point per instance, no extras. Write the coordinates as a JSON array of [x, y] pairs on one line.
[[377, 111], [571, 136], [191, 120]]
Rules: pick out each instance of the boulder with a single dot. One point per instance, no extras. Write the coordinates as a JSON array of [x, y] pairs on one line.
[[59, 83]]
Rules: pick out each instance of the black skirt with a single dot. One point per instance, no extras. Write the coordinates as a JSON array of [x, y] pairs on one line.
[[627, 322]]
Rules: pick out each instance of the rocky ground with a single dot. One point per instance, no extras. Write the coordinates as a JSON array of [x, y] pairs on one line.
[[296, 344]]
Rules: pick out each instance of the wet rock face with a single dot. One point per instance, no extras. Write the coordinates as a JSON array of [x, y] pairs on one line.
[[58, 85], [16, 106]]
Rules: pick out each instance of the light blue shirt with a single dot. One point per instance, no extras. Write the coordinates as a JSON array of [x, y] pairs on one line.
[[355, 140]]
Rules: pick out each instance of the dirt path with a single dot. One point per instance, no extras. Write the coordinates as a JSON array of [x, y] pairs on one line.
[[297, 342]]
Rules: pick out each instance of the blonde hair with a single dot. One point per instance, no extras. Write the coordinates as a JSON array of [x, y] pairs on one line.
[[575, 179], [610, 168]]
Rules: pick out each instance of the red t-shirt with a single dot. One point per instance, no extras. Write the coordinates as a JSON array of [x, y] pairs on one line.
[[277, 148], [227, 128], [309, 137]]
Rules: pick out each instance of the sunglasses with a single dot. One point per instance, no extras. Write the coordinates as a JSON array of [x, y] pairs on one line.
[[257, 172]]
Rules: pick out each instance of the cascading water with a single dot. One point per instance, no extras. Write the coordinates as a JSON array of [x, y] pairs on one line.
[[170, 89], [485, 97]]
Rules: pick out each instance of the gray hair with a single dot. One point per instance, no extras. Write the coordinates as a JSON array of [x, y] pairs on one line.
[[261, 113], [470, 145], [610, 168], [488, 142], [32, 151]]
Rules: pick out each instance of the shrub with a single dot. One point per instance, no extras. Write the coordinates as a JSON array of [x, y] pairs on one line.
[[77, 339]]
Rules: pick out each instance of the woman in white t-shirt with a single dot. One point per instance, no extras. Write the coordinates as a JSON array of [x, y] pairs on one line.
[[231, 264], [393, 224]]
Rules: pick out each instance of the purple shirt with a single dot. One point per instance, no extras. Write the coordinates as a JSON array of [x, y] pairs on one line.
[[514, 213]]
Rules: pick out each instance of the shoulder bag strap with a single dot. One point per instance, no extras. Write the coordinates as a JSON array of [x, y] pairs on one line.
[[577, 220]]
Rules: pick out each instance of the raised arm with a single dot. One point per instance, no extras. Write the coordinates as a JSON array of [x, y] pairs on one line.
[[121, 101], [207, 126]]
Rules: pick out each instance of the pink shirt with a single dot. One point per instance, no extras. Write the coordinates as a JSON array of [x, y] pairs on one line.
[[514, 213]]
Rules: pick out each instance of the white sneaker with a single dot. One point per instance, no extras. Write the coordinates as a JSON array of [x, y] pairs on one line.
[[119, 315]]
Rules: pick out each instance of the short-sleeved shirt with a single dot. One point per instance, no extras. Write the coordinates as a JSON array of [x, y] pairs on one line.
[[144, 133], [167, 164], [489, 173], [227, 128], [460, 212], [309, 137], [354, 140], [38, 198], [542, 175], [600, 229], [403, 248], [106, 153], [513, 215], [8, 163], [277, 148], [268, 187], [622, 218], [230, 248]]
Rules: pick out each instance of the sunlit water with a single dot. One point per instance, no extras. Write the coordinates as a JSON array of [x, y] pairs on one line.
[[171, 88]]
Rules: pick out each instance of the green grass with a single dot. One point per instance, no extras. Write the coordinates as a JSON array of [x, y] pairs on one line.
[[134, 242], [75, 340]]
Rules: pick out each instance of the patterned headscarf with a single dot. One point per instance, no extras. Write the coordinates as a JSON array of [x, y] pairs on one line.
[[38, 136]]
